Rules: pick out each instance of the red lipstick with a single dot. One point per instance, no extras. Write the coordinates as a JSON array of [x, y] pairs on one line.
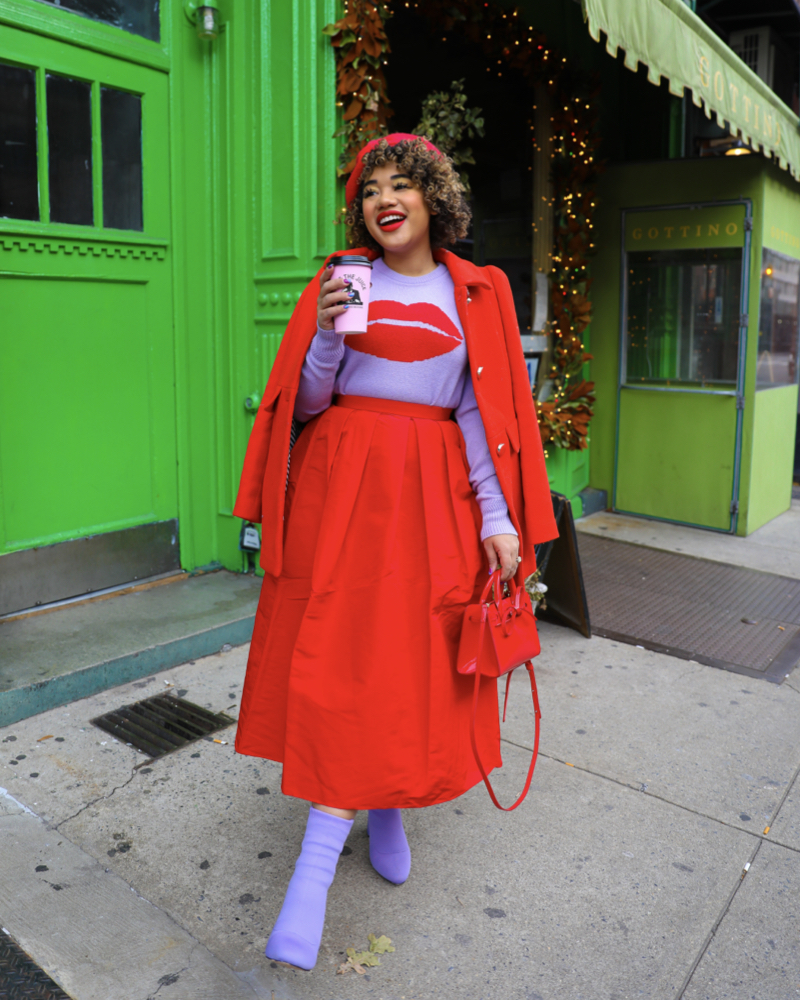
[[394, 220]]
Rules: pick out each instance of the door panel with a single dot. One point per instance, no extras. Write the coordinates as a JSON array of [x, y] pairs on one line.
[[675, 456], [77, 446]]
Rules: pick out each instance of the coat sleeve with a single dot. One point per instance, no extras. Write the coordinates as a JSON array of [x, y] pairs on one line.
[[262, 489], [537, 518], [265, 448]]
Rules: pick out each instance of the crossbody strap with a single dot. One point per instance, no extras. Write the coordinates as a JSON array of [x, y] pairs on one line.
[[473, 720]]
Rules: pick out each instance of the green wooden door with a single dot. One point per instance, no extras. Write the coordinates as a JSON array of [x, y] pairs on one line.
[[683, 354], [259, 200], [87, 415]]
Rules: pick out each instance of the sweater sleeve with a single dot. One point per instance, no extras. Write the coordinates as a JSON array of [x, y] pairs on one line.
[[482, 476], [318, 376]]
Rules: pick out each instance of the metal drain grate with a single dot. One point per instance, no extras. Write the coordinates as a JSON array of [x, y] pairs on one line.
[[21, 978], [161, 724], [726, 616]]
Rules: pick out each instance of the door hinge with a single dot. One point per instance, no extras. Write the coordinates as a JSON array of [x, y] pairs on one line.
[[748, 225], [734, 507], [739, 401]]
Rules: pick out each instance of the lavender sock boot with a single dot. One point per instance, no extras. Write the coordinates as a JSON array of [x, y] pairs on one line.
[[388, 848], [297, 932]]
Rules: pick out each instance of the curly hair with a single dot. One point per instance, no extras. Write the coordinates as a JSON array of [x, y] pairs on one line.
[[435, 176]]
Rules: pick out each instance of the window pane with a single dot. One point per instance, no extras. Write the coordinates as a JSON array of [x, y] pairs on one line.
[[137, 16], [121, 129], [683, 317], [777, 321], [19, 183], [69, 132]]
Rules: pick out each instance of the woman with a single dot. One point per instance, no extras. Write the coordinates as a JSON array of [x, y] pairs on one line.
[[419, 467]]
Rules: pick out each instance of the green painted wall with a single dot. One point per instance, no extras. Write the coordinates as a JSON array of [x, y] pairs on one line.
[[774, 424], [128, 356], [568, 473], [775, 412], [775, 202], [781, 229]]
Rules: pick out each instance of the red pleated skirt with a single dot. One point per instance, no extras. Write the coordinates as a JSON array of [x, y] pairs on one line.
[[351, 681]]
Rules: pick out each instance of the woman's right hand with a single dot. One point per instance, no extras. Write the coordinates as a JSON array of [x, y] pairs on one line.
[[333, 294]]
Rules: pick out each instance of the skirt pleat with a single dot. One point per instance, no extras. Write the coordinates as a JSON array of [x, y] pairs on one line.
[[351, 681]]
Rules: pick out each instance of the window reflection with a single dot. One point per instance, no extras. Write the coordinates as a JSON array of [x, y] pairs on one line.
[[137, 16], [777, 320], [121, 131], [683, 317], [69, 135], [19, 182]]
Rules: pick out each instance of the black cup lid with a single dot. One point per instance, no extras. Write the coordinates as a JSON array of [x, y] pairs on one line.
[[352, 259]]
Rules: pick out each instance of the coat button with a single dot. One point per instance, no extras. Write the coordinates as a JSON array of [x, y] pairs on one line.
[[500, 449], [469, 299], [479, 372]]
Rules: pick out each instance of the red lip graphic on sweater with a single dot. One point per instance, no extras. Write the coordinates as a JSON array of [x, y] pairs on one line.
[[400, 332]]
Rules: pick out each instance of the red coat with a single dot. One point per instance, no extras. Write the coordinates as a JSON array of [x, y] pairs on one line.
[[502, 388]]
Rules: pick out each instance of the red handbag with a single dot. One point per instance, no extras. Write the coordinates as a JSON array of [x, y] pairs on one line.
[[498, 636]]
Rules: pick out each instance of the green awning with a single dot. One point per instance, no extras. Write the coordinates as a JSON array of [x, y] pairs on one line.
[[672, 41]]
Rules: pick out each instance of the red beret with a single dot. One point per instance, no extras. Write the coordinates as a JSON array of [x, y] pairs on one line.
[[351, 190]]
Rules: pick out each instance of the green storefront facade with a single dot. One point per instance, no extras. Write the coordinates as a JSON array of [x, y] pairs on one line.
[[170, 197], [709, 448], [134, 344]]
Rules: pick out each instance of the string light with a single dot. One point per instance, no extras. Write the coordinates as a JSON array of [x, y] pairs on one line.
[[570, 141]]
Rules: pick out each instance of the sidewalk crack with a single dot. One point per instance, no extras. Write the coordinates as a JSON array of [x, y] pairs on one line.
[[99, 798], [713, 932], [642, 789]]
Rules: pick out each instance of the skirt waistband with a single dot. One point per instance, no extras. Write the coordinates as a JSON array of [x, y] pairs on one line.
[[398, 407]]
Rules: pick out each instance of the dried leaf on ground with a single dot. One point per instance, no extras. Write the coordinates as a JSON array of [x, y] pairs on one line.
[[380, 945], [360, 961]]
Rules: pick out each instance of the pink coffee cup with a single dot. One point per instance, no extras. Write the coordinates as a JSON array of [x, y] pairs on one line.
[[358, 271]]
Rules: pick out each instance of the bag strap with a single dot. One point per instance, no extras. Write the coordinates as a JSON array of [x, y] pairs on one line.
[[473, 720], [493, 581]]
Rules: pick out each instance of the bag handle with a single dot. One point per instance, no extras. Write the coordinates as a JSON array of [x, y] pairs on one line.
[[536, 711], [495, 582]]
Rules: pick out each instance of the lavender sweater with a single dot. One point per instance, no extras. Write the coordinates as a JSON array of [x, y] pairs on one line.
[[413, 351]]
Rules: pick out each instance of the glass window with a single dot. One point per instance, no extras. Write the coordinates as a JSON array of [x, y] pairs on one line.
[[137, 16], [777, 320], [121, 131], [19, 183], [506, 243], [683, 318], [69, 135]]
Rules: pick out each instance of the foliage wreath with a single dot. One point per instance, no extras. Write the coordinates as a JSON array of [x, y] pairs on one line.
[[362, 48]]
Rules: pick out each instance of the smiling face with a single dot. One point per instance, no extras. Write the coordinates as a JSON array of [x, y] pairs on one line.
[[394, 210]]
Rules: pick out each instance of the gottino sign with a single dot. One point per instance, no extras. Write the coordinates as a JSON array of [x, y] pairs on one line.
[[685, 228]]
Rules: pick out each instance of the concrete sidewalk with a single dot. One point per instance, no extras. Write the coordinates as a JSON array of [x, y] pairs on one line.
[[774, 548], [620, 877], [53, 656]]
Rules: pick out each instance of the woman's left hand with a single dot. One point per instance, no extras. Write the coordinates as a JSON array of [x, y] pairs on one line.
[[502, 550]]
